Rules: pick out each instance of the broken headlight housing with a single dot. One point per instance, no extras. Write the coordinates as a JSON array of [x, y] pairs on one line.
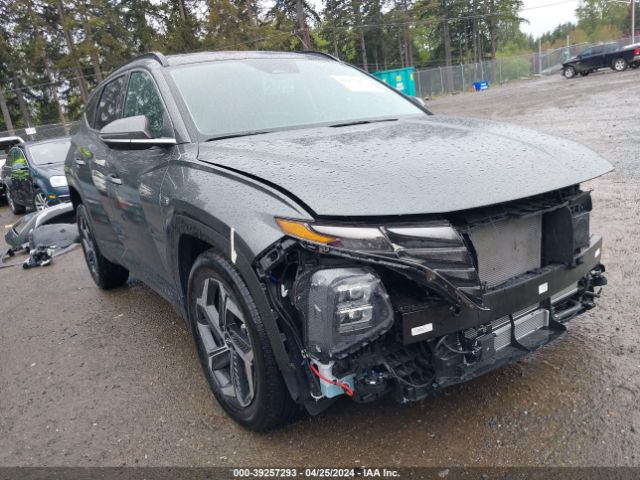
[[433, 253], [342, 308]]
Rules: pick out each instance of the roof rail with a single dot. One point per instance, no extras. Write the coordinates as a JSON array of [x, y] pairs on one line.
[[323, 54], [157, 56]]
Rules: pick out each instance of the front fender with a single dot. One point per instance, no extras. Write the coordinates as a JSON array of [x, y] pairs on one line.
[[234, 215]]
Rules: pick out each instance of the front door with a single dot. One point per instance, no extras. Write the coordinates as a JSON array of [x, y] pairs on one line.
[[597, 57], [20, 178], [135, 177]]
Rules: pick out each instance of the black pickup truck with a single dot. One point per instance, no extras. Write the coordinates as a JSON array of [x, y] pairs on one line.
[[607, 55]]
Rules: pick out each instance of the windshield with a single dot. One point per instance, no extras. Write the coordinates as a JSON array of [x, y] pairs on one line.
[[50, 152], [234, 96]]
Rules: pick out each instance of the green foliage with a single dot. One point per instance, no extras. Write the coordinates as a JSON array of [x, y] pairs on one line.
[[54, 52], [514, 67], [598, 21]]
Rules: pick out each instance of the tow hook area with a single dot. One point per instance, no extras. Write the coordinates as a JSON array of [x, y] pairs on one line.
[[585, 299]]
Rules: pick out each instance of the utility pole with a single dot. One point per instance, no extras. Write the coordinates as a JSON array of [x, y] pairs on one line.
[[633, 21], [540, 56]]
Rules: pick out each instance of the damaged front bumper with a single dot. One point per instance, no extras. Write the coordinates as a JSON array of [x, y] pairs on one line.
[[475, 351], [412, 308]]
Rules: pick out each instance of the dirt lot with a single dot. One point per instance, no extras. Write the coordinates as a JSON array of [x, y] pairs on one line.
[[111, 378]]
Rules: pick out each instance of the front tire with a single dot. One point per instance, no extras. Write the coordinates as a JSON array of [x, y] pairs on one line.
[[39, 200], [105, 274], [569, 72], [15, 208], [619, 65], [233, 347]]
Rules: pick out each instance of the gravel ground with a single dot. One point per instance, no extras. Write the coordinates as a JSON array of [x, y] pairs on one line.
[[98, 378]]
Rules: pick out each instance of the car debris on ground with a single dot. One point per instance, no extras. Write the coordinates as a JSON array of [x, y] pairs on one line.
[[42, 235]]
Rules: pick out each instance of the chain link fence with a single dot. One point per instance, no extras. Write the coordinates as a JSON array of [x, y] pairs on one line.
[[43, 132], [432, 82]]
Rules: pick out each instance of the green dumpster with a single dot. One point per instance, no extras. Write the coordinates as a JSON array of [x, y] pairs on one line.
[[400, 79]]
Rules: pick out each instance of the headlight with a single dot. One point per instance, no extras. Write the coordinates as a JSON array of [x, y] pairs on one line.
[[342, 308], [435, 238], [435, 248], [58, 181], [350, 238]]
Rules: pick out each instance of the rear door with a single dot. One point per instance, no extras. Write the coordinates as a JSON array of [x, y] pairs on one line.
[[90, 160], [608, 54], [597, 57], [136, 177]]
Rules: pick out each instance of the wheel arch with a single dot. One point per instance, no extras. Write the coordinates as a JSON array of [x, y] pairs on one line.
[[75, 197], [189, 238]]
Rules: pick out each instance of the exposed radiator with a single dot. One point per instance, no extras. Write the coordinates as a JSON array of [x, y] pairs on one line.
[[524, 326], [526, 321], [507, 248]]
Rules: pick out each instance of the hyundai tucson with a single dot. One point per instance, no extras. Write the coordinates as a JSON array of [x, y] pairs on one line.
[[322, 234]]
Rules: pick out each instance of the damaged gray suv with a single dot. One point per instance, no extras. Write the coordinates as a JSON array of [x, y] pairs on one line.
[[324, 235]]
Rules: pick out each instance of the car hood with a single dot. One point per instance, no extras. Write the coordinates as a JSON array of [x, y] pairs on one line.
[[416, 166]]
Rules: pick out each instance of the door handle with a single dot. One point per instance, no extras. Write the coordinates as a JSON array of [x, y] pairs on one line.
[[113, 179]]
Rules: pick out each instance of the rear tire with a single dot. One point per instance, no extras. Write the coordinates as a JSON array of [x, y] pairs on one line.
[[569, 72], [619, 65], [15, 208], [233, 347], [105, 274]]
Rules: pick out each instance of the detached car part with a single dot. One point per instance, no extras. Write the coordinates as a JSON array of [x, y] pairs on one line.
[[46, 233]]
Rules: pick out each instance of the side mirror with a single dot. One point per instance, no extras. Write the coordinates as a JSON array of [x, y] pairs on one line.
[[132, 132]]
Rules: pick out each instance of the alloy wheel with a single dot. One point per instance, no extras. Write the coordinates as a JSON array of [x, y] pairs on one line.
[[619, 65], [225, 342], [40, 201]]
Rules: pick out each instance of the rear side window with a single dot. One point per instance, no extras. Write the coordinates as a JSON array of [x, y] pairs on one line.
[[143, 99], [110, 103]]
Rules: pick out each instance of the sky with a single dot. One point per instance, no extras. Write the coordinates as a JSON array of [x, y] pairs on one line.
[[545, 15]]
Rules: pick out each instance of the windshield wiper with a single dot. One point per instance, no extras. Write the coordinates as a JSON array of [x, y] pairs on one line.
[[362, 122], [235, 135]]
